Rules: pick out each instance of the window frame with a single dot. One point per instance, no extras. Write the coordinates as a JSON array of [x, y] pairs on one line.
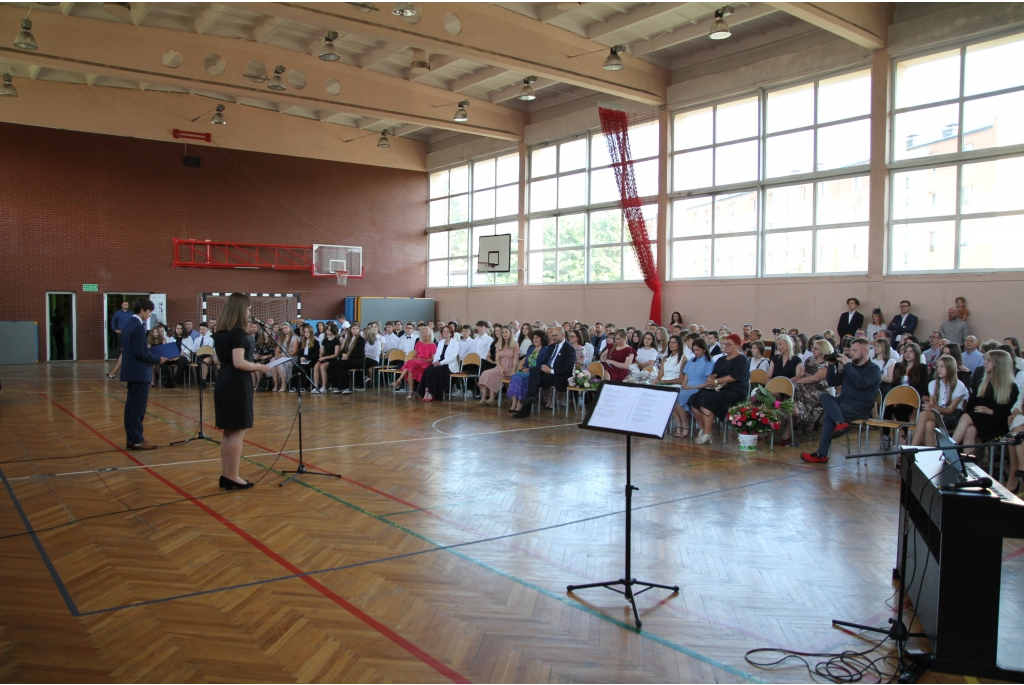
[[586, 210], [763, 183], [957, 159], [470, 225]]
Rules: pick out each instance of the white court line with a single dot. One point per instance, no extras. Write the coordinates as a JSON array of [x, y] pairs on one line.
[[390, 442], [112, 469]]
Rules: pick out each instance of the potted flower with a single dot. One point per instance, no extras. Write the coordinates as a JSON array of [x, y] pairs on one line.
[[751, 418]]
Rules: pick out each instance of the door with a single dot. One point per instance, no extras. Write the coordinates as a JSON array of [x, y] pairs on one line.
[[61, 333], [111, 304]]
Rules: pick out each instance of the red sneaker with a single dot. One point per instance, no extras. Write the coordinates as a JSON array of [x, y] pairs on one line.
[[814, 458], [841, 430]]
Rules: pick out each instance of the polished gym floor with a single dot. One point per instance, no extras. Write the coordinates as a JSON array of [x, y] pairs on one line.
[[442, 554]]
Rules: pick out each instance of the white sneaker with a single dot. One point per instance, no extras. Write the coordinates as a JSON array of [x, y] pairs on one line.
[[704, 439], [346, 391]]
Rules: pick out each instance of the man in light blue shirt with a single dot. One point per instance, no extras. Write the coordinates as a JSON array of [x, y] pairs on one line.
[[971, 357]]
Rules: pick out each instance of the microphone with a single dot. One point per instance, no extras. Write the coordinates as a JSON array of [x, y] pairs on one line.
[[983, 483], [253, 319]]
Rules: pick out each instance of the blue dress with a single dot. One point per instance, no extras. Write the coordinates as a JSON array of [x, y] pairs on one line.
[[697, 371], [519, 386]]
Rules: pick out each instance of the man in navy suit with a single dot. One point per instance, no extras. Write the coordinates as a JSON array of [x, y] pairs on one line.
[[555, 364], [137, 371], [903, 323]]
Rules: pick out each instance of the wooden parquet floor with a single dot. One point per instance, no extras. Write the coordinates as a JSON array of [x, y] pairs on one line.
[[441, 555]]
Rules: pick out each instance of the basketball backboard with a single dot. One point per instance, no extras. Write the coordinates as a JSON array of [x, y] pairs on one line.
[[494, 254], [329, 259]]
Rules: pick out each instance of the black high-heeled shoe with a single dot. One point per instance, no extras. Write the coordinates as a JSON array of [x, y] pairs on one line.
[[229, 484]]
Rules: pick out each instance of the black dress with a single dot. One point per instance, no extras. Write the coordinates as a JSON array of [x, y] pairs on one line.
[[732, 394], [232, 396], [787, 370], [990, 426], [435, 378]]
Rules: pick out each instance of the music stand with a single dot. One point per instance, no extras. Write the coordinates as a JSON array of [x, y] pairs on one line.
[[630, 409]]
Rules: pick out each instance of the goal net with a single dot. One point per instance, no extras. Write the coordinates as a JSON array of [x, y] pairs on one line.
[[279, 307]]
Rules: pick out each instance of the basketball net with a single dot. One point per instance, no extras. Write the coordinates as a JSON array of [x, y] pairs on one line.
[[342, 277]]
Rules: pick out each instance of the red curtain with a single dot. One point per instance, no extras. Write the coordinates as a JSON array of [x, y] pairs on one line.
[[615, 126]]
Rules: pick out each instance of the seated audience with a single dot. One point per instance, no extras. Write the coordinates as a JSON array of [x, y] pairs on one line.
[[647, 354], [962, 372], [661, 336], [785, 363], [309, 355], [732, 372], [519, 386], [506, 358], [617, 359], [574, 339], [859, 379], [909, 371], [351, 358], [330, 351], [757, 359], [946, 395], [434, 381], [807, 387], [987, 414], [1018, 361], [412, 370], [671, 373]]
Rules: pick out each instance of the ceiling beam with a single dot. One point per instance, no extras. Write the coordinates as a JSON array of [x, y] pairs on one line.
[[406, 129], [378, 55], [206, 20], [863, 23], [476, 78], [493, 36], [268, 29], [153, 115], [33, 72], [552, 11], [127, 52], [641, 14], [66, 7], [688, 32]]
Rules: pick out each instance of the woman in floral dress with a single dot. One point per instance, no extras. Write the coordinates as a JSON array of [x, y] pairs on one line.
[[519, 386]]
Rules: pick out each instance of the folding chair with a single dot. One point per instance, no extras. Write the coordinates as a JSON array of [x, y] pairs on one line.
[[758, 377], [507, 381], [900, 394], [784, 387], [393, 356], [862, 424], [471, 358]]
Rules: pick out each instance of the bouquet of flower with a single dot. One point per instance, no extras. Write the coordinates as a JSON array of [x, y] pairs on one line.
[[767, 400], [581, 378], [638, 375], [750, 417]]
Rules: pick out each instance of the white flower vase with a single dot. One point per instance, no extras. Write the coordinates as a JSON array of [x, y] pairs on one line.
[[748, 442]]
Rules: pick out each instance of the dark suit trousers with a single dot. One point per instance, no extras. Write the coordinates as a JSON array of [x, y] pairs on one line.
[[135, 411]]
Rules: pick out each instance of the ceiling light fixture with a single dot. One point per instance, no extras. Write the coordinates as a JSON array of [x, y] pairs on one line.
[[404, 9], [25, 39], [329, 53], [613, 62], [276, 82], [719, 28], [218, 117], [461, 116], [8, 90], [526, 92], [420, 62], [383, 141]]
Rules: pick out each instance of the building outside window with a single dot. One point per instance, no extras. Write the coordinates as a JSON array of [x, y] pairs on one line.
[[957, 169], [466, 202], [763, 185]]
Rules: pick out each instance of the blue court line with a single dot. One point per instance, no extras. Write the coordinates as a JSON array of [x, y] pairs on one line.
[[42, 551]]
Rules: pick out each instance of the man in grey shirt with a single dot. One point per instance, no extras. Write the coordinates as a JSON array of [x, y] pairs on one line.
[[953, 329]]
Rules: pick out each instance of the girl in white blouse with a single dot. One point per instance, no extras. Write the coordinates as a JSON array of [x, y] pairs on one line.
[[671, 373], [757, 358], [946, 395], [648, 353]]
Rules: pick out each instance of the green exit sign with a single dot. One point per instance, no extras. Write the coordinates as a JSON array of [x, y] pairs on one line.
[[90, 288]]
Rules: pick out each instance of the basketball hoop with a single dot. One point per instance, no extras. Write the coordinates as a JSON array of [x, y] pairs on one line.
[[342, 277]]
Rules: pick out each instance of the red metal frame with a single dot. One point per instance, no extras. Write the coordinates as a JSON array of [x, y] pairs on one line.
[[192, 135], [216, 254]]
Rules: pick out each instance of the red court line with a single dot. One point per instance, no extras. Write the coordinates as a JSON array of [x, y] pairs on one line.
[[402, 642]]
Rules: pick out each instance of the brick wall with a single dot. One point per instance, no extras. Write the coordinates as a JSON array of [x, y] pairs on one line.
[[85, 208]]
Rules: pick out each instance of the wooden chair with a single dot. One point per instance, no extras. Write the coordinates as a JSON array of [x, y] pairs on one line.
[[193, 367], [596, 371], [393, 356], [900, 394], [759, 377], [862, 424], [471, 358], [508, 381], [780, 385]]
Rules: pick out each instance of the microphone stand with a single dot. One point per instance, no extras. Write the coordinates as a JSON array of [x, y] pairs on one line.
[[301, 470], [898, 630], [199, 434]]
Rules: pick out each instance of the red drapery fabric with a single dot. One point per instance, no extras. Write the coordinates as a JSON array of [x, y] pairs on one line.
[[615, 126]]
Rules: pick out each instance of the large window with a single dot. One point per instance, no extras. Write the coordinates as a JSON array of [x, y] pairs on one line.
[[733, 212], [576, 232], [957, 167], [466, 202]]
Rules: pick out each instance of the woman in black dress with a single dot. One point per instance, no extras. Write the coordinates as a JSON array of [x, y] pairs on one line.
[[232, 396], [732, 370], [987, 413], [785, 361]]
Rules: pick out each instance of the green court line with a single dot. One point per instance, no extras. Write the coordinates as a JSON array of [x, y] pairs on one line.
[[515, 579]]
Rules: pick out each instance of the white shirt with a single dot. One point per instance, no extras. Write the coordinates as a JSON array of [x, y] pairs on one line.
[[959, 390], [373, 351], [524, 346], [482, 345], [688, 353], [554, 356], [671, 368], [320, 338], [885, 366], [390, 341], [192, 345], [645, 356], [406, 343], [761, 363]]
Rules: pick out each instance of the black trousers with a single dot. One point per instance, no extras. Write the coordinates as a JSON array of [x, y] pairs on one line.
[[341, 369], [135, 411], [435, 381]]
